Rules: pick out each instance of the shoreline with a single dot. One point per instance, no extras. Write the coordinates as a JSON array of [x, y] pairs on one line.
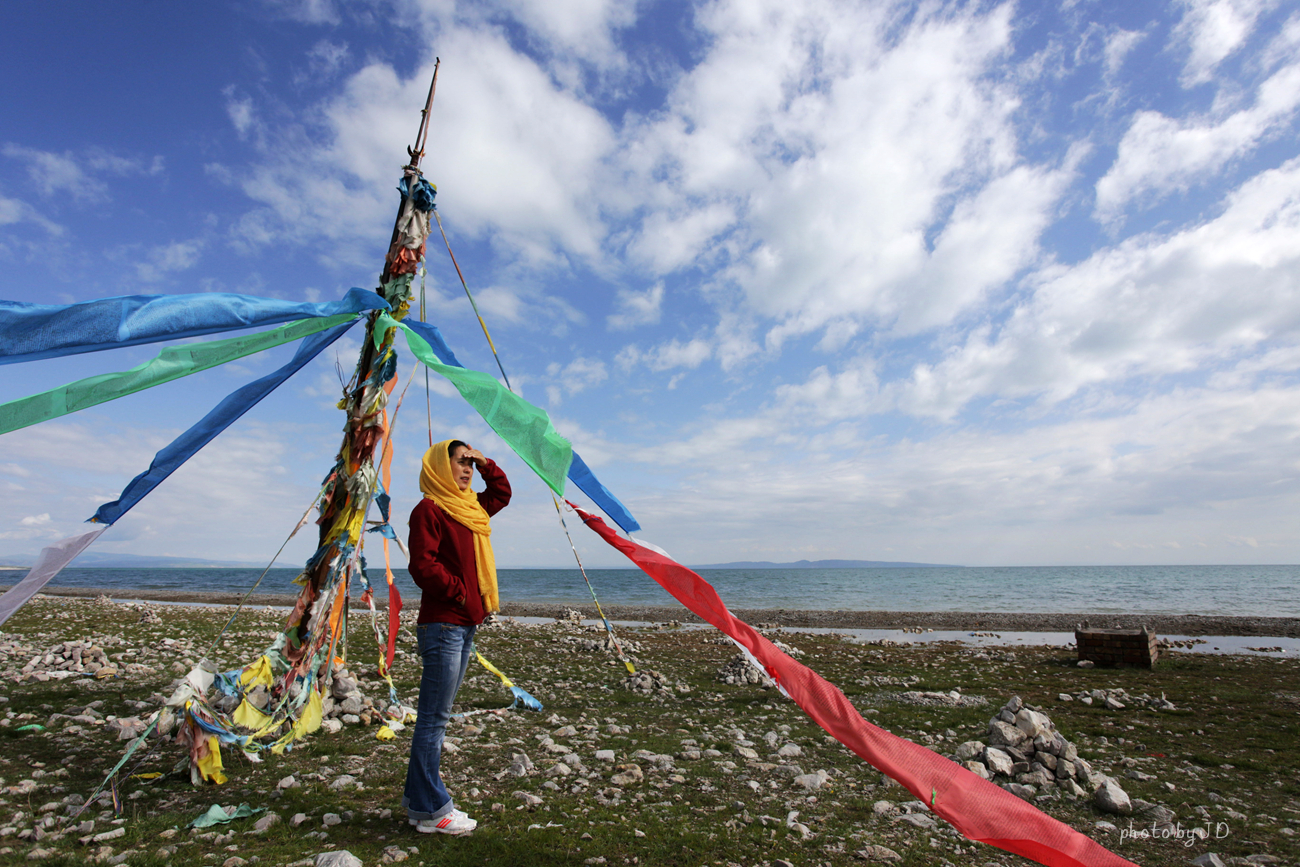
[[1167, 624]]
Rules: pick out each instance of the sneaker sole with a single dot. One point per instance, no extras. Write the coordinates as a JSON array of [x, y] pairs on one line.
[[457, 833]]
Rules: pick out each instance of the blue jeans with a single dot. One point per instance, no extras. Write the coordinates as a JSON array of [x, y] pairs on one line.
[[445, 649]]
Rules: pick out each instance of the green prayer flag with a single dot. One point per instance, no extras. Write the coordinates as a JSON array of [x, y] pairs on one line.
[[524, 427], [172, 363]]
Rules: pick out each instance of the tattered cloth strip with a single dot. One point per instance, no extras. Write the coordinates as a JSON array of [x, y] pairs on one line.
[[579, 473], [975, 807], [172, 363], [524, 427], [32, 331], [49, 564], [225, 414], [219, 815]]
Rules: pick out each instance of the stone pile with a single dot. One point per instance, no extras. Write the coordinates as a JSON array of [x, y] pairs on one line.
[[739, 671], [67, 660], [347, 704], [604, 644], [889, 680], [1118, 699], [1026, 755], [650, 683], [940, 699]]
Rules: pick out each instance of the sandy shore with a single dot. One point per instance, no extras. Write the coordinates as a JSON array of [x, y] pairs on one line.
[[1164, 624]]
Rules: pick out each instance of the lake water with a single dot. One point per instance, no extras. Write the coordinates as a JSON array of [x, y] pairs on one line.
[[1260, 591]]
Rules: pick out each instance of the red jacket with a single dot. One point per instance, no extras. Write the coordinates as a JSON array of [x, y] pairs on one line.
[[442, 556]]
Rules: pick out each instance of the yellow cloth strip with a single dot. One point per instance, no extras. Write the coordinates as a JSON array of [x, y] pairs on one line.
[[492, 668]]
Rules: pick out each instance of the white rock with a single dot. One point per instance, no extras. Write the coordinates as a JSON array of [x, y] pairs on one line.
[[627, 775], [998, 761], [338, 858], [1110, 798], [811, 782], [1004, 734], [604, 755], [1033, 723]]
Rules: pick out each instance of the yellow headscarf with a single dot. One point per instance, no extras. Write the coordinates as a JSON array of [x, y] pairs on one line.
[[438, 484]]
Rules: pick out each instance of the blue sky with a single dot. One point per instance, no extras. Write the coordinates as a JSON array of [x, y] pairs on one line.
[[971, 283]]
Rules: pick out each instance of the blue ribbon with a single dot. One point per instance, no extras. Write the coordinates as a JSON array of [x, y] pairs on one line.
[[33, 331]]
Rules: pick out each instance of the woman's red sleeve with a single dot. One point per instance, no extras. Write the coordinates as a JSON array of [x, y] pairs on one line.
[[497, 494]]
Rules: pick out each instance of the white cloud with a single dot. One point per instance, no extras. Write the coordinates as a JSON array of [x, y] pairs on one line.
[[637, 308], [239, 108], [1213, 30], [583, 28], [79, 174], [36, 520], [525, 153], [14, 211], [1149, 306], [1119, 44], [326, 57], [168, 259], [307, 11], [666, 356], [1159, 154], [816, 149], [670, 240], [577, 376], [1195, 468]]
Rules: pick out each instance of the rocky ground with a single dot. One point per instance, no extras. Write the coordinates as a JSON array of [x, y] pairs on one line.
[[695, 760]]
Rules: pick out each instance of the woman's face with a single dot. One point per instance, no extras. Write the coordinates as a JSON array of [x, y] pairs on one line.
[[462, 468]]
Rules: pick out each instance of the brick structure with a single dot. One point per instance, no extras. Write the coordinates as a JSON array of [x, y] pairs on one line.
[[1130, 648]]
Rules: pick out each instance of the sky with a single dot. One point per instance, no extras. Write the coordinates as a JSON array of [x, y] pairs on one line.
[[972, 283]]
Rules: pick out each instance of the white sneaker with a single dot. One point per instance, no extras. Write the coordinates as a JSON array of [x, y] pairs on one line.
[[455, 822]]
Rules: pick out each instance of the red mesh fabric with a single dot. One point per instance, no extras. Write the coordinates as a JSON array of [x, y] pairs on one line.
[[974, 806]]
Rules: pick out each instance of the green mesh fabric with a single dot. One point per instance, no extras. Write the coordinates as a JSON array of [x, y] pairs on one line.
[[525, 428], [172, 363]]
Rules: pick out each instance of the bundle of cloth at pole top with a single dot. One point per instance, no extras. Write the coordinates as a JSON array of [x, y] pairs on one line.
[[287, 682]]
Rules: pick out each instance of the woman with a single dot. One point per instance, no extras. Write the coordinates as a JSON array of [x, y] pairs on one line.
[[452, 562]]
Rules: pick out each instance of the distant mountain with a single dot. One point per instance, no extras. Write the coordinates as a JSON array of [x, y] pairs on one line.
[[827, 564], [102, 560]]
